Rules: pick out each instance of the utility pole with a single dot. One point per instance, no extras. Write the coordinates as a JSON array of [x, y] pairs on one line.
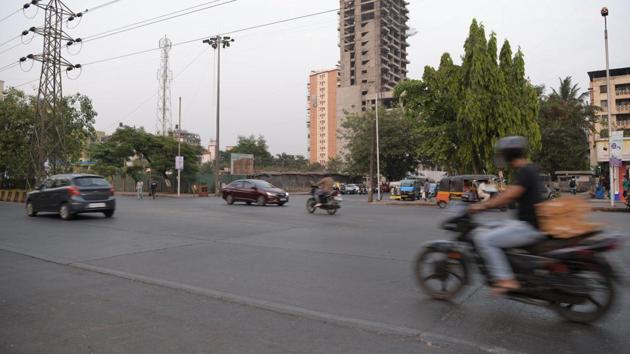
[[378, 155], [49, 132], [611, 170], [179, 145], [164, 89], [217, 42]]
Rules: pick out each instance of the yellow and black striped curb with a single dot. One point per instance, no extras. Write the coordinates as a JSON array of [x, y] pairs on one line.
[[13, 195]]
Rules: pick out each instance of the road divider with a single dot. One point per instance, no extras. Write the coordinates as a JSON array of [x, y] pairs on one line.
[[13, 195]]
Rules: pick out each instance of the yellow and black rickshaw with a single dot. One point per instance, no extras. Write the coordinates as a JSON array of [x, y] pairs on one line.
[[455, 187]]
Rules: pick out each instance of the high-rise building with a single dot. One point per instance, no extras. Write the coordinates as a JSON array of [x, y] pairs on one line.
[[373, 45], [322, 115], [619, 110]]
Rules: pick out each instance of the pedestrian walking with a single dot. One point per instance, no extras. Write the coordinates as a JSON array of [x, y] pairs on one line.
[[426, 191], [626, 186], [139, 189], [573, 185], [153, 188]]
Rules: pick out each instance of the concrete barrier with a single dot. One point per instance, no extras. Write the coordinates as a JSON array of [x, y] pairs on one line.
[[13, 195]]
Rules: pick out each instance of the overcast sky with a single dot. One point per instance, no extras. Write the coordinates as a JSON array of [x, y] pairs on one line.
[[264, 73]]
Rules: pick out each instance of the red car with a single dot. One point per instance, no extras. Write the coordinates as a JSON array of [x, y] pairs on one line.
[[254, 191]]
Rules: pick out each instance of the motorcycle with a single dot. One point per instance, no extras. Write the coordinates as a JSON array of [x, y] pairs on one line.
[[570, 276], [331, 202]]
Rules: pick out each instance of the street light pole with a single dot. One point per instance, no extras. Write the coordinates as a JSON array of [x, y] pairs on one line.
[[604, 13], [217, 42], [378, 156], [179, 146]]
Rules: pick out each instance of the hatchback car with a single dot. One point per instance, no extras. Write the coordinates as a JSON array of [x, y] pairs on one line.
[[72, 194], [254, 191]]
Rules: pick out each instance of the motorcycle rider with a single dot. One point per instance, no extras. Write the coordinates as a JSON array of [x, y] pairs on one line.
[[510, 151], [325, 188]]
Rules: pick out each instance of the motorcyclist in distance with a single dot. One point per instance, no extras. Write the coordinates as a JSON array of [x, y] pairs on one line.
[[510, 152], [325, 187]]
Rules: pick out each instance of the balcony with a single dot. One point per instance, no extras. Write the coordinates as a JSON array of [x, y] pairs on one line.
[[623, 108], [622, 92]]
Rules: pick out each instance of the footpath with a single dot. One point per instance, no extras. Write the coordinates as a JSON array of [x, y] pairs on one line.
[[596, 204]]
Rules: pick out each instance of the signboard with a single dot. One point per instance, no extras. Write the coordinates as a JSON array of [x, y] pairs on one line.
[[616, 148], [179, 162], [242, 164]]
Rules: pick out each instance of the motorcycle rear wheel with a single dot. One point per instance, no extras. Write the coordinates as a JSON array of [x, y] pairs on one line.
[[441, 269], [599, 305]]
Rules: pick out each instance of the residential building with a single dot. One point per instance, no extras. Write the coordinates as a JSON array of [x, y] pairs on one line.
[[322, 115], [208, 154], [187, 137], [373, 45], [620, 117]]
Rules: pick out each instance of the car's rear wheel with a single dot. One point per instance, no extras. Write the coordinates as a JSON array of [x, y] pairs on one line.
[[30, 209], [109, 213], [441, 204], [261, 201], [229, 199], [64, 212]]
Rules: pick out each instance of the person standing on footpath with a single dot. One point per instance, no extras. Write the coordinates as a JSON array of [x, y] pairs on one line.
[[153, 187], [139, 189]]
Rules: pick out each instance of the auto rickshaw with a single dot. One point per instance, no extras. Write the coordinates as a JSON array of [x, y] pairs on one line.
[[456, 187]]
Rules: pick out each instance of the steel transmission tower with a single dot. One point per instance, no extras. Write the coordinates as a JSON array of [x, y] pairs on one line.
[[49, 132], [165, 76]]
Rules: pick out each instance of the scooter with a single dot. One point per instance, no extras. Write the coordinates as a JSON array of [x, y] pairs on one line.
[[331, 202], [570, 276]]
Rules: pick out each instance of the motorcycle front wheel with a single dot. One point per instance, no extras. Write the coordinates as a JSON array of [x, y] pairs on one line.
[[310, 205], [332, 210], [440, 275], [597, 302]]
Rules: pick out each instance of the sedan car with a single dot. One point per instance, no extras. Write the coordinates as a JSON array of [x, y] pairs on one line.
[[72, 194], [352, 189], [254, 191]]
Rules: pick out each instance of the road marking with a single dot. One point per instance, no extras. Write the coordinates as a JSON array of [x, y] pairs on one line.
[[429, 338]]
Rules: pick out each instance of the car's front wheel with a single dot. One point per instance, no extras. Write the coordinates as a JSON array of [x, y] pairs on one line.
[[229, 199], [109, 213], [64, 212], [261, 201], [30, 209]]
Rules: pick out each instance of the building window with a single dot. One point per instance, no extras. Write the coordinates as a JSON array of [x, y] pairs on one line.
[[603, 89], [603, 104]]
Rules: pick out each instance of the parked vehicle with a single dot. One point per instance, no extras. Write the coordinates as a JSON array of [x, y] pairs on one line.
[[331, 202], [362, 189], [453, 188], [569, 275], [410, 189], [352, 189], [254, 191], [72, 194]]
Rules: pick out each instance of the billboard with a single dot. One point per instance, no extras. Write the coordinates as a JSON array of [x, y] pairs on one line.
[[242, 164]]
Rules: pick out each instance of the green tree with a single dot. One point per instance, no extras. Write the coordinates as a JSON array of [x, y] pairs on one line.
[[255, 146], [566, 118], [397, 142], [461, 111]]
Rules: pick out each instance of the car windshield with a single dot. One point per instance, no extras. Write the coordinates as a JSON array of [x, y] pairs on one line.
[[406, 183], [91, 182], [352, 185], [264, 184]]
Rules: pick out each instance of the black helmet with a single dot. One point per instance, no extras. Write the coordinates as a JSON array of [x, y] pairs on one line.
[[509, 149]]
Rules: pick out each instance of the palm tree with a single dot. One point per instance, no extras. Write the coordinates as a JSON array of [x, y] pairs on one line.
[[566, 119]]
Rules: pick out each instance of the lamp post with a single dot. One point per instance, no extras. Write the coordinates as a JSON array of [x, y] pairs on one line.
[[179, 146], [217, 42], [604, 13]]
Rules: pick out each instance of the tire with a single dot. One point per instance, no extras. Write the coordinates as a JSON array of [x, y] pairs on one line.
[[281, 204], [229, 199], [248, 203], [109, 213], [30, 209], [64, 212], [332, 211], [310, 205], [441, 204], [261, 201], [422, 278], [568, 312]]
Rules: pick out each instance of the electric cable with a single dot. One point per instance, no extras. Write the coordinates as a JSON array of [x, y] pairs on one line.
[[11, 14], [153, 20], [205, 37], [10, 48], [10, 40], [9, 66], [100, 6]]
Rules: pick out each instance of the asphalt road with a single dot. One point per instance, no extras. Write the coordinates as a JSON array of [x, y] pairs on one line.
[[196, 275]]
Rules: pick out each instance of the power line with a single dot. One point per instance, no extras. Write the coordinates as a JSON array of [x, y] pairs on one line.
[[205, 37], [101, 6], [9, 66], [153, 20], [11, 14], [10, 48], [10, 40]]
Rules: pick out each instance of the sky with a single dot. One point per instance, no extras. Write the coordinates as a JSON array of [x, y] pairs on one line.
[[265, 72]]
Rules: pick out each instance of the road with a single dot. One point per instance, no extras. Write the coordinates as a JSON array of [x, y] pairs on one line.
[[196, 275]]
